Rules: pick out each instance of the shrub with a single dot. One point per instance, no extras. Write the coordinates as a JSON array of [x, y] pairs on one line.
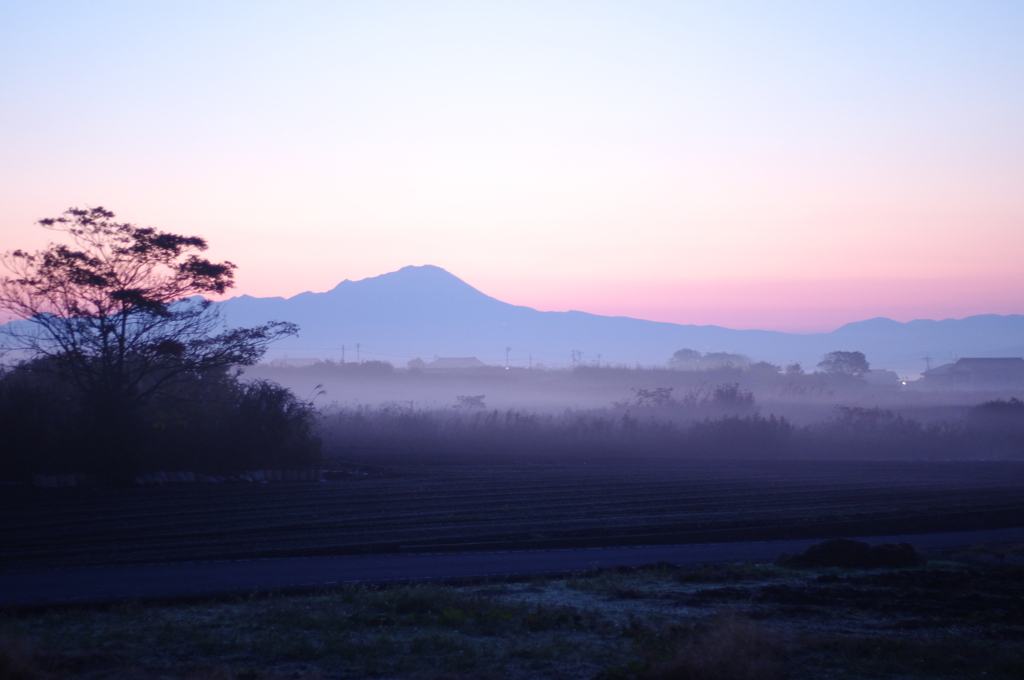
[[730, 648], [209, 422], [16, 661], [843, 552]]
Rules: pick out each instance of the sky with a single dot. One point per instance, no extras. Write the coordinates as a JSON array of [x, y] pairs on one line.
[[780, 165]]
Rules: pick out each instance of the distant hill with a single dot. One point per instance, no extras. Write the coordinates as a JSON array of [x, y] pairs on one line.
[[427, 312]]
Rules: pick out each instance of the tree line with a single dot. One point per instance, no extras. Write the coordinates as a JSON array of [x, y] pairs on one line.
[[839, 363]]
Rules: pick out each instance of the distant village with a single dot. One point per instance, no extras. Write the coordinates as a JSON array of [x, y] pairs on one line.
[[968, 372]]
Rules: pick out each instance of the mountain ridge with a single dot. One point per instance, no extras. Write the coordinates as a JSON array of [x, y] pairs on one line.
[[424, 311]]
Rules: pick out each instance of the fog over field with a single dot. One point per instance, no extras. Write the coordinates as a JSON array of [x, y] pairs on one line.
[[419, 360], [802, 395], [746, 410]]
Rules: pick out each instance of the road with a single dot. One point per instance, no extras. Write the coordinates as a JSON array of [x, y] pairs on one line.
[[52, 587]]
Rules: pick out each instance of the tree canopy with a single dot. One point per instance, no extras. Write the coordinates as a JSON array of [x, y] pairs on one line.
[[844, 363], [685, 358], [120, 311]]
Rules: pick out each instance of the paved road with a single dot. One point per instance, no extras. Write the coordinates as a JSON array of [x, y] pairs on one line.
[[35, 587]]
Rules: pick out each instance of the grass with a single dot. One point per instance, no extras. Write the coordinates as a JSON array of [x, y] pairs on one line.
[[714, 622], [729, 647]]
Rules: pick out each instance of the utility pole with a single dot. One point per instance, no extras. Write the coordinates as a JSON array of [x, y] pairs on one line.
[[927, 363], [599, 361], [507, 350], [357, 352], [343, 354], [531, 362]]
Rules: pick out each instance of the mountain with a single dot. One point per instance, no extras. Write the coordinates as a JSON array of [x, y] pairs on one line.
[[426, 311]]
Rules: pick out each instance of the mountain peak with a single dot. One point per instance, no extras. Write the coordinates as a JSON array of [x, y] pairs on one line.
[[425, 310], [876, 324], [426, 274]]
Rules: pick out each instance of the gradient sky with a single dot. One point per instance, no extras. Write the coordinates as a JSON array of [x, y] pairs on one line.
[[781, 165]]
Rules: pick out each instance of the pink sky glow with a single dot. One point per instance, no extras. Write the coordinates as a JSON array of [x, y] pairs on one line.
[[793, 167]]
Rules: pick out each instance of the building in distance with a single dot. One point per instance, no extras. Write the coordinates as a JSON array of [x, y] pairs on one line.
[[977, 372]]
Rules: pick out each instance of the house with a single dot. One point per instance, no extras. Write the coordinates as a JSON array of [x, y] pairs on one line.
[[978, 372], [881, 376]]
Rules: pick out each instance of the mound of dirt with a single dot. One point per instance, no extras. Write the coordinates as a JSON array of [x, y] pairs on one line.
[[842, 552]]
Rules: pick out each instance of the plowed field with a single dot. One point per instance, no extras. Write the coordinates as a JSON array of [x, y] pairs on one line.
[[504, 505]]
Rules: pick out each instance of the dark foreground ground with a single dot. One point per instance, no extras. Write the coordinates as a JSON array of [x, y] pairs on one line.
[[944, 619], [957, 616], [492, 504], [41, 588]]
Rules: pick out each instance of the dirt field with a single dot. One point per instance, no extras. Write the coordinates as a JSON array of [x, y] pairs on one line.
[[461, 504]]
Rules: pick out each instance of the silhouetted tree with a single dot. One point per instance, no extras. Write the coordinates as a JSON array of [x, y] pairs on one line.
[[732, 396], [470, 401], [764, 368], [118, 313], [844, 363], [658, 397], [685, 358]]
